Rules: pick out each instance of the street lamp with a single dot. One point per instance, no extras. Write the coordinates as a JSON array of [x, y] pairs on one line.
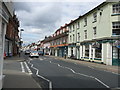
[[21, 33], [20, 41]]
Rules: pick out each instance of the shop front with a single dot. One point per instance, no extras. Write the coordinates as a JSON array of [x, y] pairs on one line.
[[116, 53]]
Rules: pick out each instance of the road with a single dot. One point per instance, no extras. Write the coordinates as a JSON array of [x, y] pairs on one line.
[[54, 73]]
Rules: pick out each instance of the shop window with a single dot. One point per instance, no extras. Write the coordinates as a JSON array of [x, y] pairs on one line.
[[116, 53], [86, 50], [116, 8], [98, 51]]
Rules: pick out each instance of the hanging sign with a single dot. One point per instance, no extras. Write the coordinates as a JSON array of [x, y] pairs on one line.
[[117, 43], [95, 45]]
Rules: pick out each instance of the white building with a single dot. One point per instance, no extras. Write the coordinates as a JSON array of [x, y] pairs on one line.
[[92, 36], [5, 11]]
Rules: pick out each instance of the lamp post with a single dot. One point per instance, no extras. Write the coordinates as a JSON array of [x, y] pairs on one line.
[[20, 41]]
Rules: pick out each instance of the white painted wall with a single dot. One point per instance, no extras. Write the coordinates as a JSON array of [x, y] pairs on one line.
[[69, 51]]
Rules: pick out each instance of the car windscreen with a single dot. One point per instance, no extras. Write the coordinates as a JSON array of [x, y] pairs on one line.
[[34, 52]]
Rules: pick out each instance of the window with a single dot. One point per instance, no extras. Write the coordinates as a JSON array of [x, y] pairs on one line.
[[85, 20], [78, 24], [116, 53], [73, 38], [116, 8], [73, 27], [95, 17], [61, 31], [85, 31], [70, 29], [70, 38], [116, 28], [94, 31], [116, 25], [98, 51], [78, 36]]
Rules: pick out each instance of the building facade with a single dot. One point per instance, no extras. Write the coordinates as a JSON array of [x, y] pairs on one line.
[[57, 44], [95, 35], [11, 37], [5, 12]]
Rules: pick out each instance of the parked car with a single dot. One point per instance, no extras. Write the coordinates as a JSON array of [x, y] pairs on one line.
[[40, 53], [34, 54], [27, 52]]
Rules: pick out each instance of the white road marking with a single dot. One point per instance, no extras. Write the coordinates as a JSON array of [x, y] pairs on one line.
[[90, 67], [112, 72], [82, 74], [22, 67], [41, 59], [102, 83], [30, 59], [28, 69], [75, 63], [37, 73]]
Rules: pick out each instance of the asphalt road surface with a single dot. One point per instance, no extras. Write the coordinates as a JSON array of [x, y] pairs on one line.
[[55, 73]]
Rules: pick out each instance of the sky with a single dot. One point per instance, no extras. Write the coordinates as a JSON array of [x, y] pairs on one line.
[[43, 18]]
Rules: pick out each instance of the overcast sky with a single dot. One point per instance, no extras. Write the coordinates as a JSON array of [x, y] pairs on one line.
[[40, 19]]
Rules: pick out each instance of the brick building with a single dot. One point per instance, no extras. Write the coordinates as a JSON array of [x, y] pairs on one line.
[[11, 37]]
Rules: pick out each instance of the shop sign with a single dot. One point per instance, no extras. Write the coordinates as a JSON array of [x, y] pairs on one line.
[[95, 45], [117, 43]]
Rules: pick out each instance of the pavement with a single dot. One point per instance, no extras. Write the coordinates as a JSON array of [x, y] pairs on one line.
[[109, 68], [14, 77]]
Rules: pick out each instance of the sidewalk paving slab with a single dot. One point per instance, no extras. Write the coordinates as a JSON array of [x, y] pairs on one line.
[[14, 77]]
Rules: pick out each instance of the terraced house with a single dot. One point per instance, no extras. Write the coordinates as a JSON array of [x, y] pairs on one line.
[[57, 44], [95, 35]]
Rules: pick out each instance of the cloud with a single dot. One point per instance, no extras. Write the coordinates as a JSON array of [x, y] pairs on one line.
[[42, 18]]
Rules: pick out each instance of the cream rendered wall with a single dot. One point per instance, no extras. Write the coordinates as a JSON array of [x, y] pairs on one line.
[[104, 50], [71, 32], [74, 51], [69, 51], [103, 24], [56, 52]]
